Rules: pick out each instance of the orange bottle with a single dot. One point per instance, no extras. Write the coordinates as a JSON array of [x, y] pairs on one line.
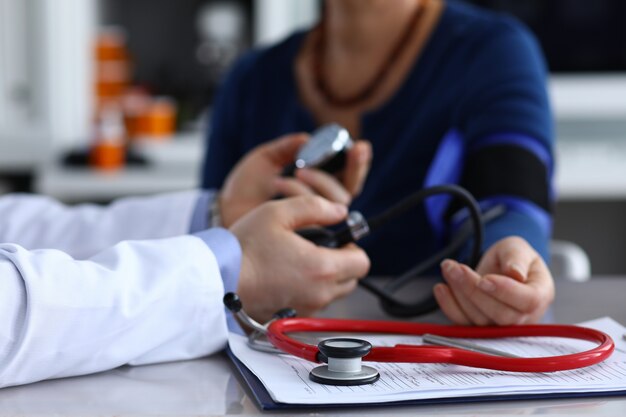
[[135, 104], [112, 64], [108, 152], [159, 119]]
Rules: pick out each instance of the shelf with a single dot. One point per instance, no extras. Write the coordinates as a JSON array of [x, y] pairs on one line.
[[174, 165]]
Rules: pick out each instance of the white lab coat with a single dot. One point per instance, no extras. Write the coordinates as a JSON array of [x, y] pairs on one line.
[[37, 222], [80, 292]]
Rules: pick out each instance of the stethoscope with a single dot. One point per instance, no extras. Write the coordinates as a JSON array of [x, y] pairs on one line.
[[343, 356]]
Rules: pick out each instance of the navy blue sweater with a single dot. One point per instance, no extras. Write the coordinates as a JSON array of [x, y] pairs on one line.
[[473, 111]]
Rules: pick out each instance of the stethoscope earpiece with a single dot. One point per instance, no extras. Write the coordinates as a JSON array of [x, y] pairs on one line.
[[232, 302], [343, 357]]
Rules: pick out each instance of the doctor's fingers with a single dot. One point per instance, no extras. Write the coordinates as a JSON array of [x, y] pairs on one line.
[[358, 161], [319, 295], [324, 184], [326, 275], [340, 289], [282, 151], [291, 187], [298, 212], [462, 282], [340, 265]]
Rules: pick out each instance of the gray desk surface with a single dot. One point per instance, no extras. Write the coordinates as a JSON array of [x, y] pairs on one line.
[[208, 387]]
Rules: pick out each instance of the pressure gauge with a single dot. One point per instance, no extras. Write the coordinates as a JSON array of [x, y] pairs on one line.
[[325, 150]]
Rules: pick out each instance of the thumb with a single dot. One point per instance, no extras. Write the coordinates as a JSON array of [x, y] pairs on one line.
[[297, 212], [283, 150], [515, 258]]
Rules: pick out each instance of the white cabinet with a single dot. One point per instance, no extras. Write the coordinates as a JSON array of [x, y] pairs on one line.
[[275, 19], [45, 77]]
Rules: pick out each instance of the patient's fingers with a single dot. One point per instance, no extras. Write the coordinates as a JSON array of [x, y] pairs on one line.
[[358, 162], [462, 281], [499, 298], [449, 305], [514, 256], [530, 298]]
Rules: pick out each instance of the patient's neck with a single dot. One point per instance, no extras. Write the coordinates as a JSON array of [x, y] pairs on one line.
[[358, 26]]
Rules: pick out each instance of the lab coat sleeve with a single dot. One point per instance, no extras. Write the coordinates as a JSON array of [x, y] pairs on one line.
[[138, 302], [38, 222]]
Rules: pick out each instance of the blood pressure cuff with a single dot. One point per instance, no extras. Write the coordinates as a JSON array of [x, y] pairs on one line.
[[517, 178], [506, 170]]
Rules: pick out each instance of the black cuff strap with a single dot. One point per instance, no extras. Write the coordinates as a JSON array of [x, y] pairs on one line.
[[506, 170]]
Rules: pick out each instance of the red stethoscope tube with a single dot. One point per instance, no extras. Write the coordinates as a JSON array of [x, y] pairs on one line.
[[277, 335]]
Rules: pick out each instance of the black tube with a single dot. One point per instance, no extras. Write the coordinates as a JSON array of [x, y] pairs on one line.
[[416, 198], [389, 303]]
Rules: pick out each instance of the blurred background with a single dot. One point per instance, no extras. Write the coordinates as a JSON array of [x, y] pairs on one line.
[[79, 79]]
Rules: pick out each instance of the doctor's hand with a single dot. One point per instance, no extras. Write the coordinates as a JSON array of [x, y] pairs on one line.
[[511, 285], [257, 177], [281, 269]]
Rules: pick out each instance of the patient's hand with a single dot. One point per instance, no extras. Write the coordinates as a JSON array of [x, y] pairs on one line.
[[511, 285], [256, 178]]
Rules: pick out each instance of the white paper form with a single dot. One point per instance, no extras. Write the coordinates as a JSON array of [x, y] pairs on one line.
[[286, 377]]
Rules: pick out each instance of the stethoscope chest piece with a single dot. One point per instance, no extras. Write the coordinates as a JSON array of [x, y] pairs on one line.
[[344, 367]]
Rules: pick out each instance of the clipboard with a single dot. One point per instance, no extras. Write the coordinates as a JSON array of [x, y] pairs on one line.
[[265, 401]]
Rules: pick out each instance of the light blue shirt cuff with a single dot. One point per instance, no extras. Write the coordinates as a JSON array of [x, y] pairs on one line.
[[200, 218], [227, 251]]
